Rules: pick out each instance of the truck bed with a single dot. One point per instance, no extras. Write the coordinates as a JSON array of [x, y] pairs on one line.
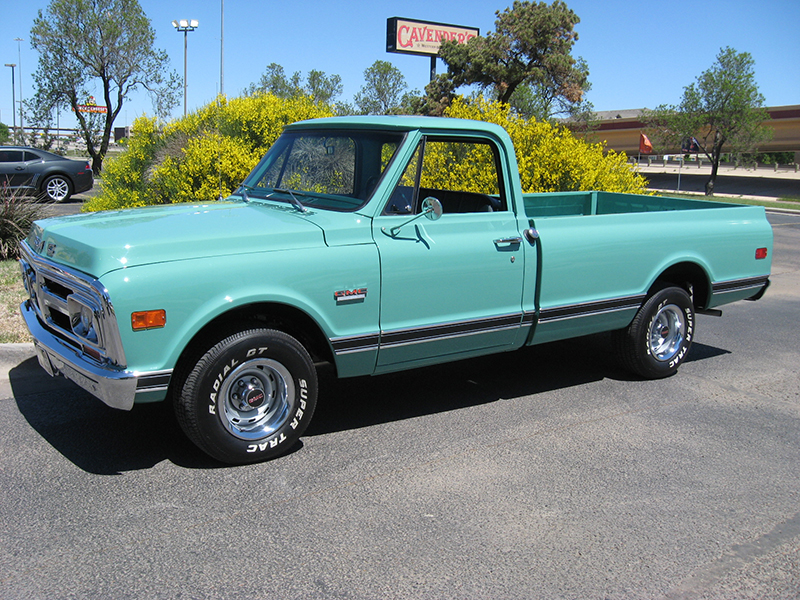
[[571, 204], [615, 257]]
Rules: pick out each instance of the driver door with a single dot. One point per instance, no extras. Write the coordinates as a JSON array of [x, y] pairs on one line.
[[451, 286]]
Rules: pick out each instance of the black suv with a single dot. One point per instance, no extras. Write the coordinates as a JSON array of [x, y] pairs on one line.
[[43, 174]]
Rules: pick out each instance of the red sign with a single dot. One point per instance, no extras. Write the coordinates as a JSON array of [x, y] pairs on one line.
[[406, 36], [91, 108]]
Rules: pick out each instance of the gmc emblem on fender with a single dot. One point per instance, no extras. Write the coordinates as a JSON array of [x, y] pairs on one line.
[[349, 296]]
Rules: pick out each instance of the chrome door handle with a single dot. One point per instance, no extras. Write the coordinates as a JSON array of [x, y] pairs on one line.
[[508, 241]]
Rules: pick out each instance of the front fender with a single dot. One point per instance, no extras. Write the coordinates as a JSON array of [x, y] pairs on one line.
[[196, 292]]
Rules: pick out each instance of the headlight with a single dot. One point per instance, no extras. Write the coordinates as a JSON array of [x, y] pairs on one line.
[[83, 318]]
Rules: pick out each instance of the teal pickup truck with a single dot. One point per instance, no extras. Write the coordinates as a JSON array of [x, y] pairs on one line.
[[375, 245]]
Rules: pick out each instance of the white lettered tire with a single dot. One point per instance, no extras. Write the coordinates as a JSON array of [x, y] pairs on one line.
[[249, 397], [658, 339]]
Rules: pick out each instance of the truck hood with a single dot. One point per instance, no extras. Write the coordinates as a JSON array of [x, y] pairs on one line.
[[101, 242]]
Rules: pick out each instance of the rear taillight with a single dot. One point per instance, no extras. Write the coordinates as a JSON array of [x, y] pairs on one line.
[[761, 253]]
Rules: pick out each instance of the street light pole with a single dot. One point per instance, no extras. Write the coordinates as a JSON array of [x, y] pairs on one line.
[[222, 47], [185, 25], [19, 62], [13, 100]]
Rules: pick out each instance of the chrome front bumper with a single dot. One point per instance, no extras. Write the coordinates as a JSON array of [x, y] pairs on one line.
[[116, 388]]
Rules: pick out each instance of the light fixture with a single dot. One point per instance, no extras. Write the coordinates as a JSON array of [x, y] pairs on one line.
[[185, 26]]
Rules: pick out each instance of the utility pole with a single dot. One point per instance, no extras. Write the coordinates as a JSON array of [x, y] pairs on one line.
[[19, 62], [222, 48], [13, 100]]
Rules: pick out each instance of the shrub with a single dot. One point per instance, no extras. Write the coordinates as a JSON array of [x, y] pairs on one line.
[[550, 157], [200, 157], [17, 214], [207, 154]]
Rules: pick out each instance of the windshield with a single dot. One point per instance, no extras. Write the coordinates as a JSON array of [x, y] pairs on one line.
[[334, 170]]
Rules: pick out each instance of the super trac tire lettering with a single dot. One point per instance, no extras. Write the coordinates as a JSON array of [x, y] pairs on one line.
[[249, 397], [659, 338]]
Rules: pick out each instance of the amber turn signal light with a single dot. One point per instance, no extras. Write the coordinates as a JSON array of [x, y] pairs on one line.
[[148, 319]]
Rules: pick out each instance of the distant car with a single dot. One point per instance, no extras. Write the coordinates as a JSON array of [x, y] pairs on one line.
[[31, 171]]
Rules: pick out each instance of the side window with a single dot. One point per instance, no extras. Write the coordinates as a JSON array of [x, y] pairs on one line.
[[460, 167], [11, 156], [403, 197], [463, 174]]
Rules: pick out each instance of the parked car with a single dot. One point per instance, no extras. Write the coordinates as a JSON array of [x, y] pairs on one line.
[[43, 174]]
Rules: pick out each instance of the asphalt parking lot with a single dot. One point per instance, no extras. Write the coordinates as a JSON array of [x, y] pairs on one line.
[[544, 473]]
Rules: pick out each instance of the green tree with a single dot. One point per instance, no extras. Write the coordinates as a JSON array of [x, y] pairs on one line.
[[5, 134], [532, 45], [320, 86], [543, 102], [383, 91], [723, 110], [107, 44]]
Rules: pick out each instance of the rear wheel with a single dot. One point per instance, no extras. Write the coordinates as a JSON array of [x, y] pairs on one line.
[[658, 339], [57, 188], [249, 397]]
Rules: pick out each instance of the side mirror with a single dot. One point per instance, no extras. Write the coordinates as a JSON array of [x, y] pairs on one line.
[[431, 208]]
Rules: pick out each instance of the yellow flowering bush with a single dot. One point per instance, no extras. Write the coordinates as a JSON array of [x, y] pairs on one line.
[[200, 157], [208, 153], [550, 158]]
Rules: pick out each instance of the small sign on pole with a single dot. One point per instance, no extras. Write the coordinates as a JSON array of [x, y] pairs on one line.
[[91, 107]]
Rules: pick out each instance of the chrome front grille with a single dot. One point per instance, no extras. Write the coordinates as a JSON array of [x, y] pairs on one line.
[[72, 306]]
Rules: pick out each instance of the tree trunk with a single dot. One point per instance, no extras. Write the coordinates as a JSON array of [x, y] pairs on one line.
[[713, 178], [716, 155]]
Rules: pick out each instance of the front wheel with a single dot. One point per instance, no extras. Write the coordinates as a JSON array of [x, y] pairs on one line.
[[658, 339], [249, 398]]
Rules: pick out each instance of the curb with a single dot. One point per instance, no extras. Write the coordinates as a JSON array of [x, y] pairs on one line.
[[11, 355]]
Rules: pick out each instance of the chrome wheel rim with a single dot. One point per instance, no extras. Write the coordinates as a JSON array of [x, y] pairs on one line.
[[667, 332], [256, 398], [57, 189]]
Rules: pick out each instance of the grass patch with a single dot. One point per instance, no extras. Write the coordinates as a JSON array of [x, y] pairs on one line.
[[785, 203], [12, 294]]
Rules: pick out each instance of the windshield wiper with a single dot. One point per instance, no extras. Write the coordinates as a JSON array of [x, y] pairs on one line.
[[295, 202]]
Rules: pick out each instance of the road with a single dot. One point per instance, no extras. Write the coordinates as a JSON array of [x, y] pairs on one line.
[[545, 473], [763, 182]]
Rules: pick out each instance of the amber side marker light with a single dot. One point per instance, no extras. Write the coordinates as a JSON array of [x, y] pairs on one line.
[[761, 253], [148, 319]]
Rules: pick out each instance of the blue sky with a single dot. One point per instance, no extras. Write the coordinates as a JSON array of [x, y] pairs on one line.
[[640, 54]]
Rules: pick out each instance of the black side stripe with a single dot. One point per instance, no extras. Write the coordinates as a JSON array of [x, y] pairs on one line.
[[588, 309], [154, 381], [739, 284], [403, 337], [358, 343]]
